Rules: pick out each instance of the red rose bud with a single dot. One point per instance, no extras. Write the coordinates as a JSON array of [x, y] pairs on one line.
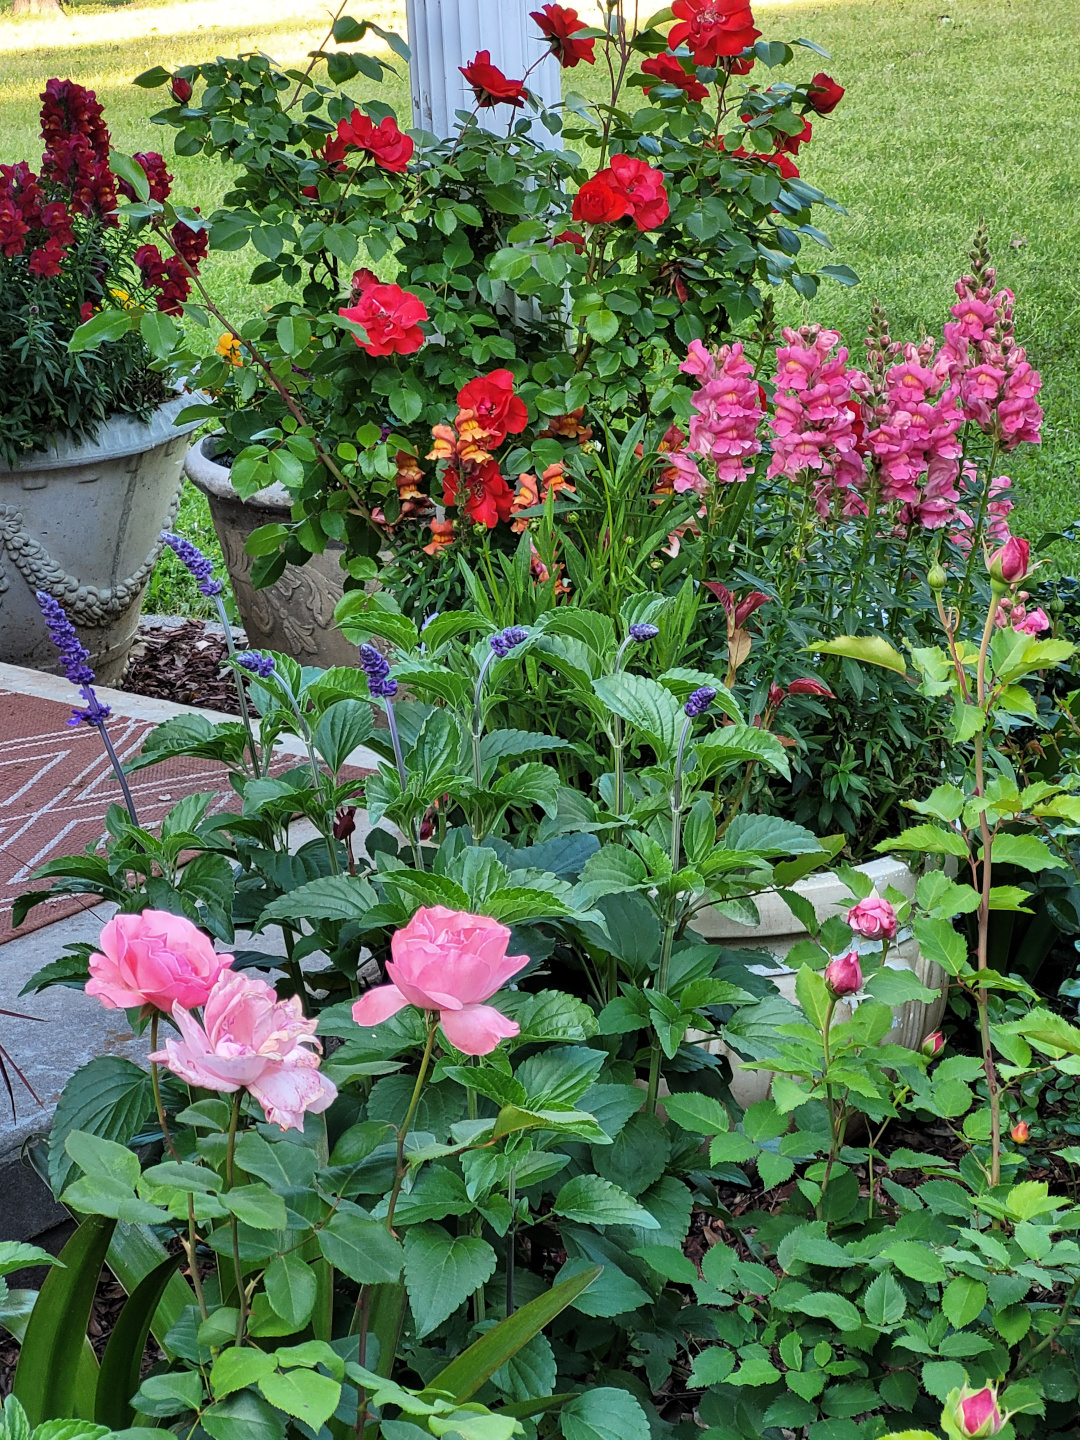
[[570, 237], [977, 1414], [181, 89], [933, 1045], [873, 919], [488, 83], [1020, 1132], [1010, 563], [824, 94], [844, 974]]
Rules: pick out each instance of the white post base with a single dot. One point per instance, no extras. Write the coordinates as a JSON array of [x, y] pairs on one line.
[[446, 34]]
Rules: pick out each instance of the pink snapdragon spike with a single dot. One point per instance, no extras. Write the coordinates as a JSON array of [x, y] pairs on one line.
[[154, 960], [873, 919], [844, 974], [251, 1040], [727, 410], [977, 1414], [449, 961], [816, 425]]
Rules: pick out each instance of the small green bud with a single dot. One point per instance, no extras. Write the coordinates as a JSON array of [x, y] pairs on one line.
[[936, 577]]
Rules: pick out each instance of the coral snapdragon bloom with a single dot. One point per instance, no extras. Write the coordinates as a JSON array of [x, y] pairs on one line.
[[451, 962], [251, 1040], [154, 959]]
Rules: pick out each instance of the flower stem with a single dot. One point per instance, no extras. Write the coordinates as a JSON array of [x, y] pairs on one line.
[[410, 1114], [230, 1152], [403, 780], [155, 1081], [119, 770], [245, 713]]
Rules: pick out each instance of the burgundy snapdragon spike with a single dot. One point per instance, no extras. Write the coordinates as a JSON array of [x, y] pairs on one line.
[[75, 659]]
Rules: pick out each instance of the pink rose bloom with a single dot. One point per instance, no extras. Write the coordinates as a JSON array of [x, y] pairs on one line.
[[844, 974], [449, 961], [154, 959], [251, 1040], [873, 919]]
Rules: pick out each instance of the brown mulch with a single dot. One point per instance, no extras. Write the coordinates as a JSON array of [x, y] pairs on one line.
[[181, 663]]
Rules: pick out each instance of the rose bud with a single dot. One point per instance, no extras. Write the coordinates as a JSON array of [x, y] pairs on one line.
[[933, 1045], [181, 89], [823, 94], [936, 577], [977, 1414], [844, 974], [1020, 1132], [873, 919], [1009, 565]]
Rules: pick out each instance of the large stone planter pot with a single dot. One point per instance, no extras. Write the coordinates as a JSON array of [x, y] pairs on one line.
[[82, 521], [779, 930], [296, 615]]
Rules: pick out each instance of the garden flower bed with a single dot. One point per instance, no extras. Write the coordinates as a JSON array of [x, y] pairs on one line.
[[440, 1130]]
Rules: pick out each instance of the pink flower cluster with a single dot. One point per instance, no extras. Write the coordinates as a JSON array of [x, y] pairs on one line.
[[998, 508], [998, 386], [728, 410], [915, 438], [247, 1038], [1014, 612], [815, 424]]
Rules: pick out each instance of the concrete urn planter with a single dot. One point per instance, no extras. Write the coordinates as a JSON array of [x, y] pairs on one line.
[[296, 614], [779, 930], [83, 521]]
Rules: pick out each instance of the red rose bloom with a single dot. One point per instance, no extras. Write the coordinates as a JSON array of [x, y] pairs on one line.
[[181, 89], [391, 316], [487, 497], [559, 25], [644, 190], [712, 28], [668, 69], [384, 142], [498, 409], [788, 169], [599, 201], [823, 93], [489, 84], [741, 66], [791, 143]]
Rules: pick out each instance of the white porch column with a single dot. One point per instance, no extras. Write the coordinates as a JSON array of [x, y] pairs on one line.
[[445, 34]]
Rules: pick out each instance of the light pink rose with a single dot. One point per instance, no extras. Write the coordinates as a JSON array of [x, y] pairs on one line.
[[844, 974], [873, 919], [251, 1040], [154, 959], [449, 961]]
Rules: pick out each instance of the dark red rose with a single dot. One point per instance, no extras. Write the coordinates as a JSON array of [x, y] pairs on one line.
[[790, 143], [600, 201], [669, 70], [559, 24], [823, 94], [391, 316], [181, 89], [712, 29], [570, 237], [498, 409], [489, 84], [384, 142], [644, 190]]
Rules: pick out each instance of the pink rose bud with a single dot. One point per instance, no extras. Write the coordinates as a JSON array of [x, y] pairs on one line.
[[844, 974], [977, 1414], [154, 959], [873, 919], [933, 1045], [1010, 563], [449, 961], [1020, 1132]]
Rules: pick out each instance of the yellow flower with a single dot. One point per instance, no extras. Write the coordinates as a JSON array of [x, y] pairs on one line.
[[229, 347], [123, 297]]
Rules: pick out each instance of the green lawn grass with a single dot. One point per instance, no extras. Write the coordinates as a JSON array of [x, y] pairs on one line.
[[955, 110]]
